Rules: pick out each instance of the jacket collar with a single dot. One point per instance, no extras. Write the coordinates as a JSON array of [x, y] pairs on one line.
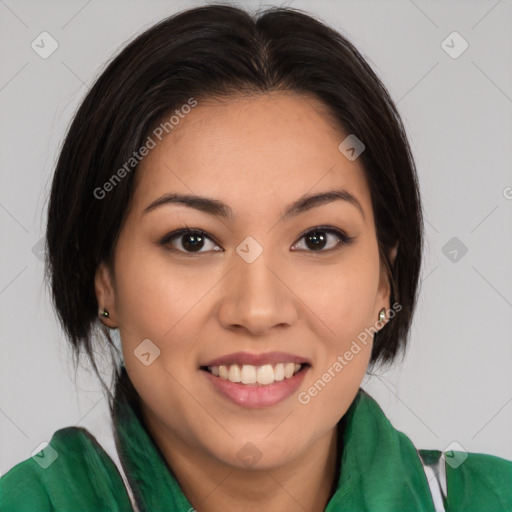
[[380, 468]]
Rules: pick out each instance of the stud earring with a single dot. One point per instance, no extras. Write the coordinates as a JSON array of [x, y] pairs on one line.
[[382, 315], [104, 313]]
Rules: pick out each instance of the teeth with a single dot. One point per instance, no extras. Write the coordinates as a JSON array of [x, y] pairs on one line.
[[265, 374], [289, 370], [279, 372], [234, 373], [223, 372], [249, 374]]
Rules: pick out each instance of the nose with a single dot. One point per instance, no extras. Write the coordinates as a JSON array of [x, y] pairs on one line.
[[257, 297]]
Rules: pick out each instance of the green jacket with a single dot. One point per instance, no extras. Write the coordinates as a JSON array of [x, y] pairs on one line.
[[380, 471]]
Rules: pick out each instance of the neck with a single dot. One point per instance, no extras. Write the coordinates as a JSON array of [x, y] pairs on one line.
[[305, 484]]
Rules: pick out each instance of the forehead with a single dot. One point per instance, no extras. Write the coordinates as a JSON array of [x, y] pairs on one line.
[[250, 152]]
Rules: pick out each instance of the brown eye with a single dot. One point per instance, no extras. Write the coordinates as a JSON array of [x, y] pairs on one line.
[[187, 241], [317, 239], [190, 241]]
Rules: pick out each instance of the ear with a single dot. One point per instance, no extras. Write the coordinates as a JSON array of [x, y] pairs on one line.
[[105, 294], [384, 293], [392, 254]]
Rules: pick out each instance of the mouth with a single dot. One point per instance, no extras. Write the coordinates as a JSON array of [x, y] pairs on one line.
[[251, 375], [256, 381]]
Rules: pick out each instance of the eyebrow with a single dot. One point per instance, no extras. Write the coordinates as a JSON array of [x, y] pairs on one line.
[[219, 209]]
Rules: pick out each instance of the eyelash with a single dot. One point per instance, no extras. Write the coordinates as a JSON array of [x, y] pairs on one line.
[[345, 240]]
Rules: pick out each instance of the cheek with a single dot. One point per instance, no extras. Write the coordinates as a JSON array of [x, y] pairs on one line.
[[343, 296], [331, 389], [152, 294], [159, 300], [155, 301], [346, 346]]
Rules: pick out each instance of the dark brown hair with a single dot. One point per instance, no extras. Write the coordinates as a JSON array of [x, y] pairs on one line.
[[209, 52]]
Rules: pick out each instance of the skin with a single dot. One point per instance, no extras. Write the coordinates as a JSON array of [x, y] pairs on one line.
[[257, 154]]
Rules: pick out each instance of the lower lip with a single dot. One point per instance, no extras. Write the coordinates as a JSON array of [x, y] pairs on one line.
[[256, 396]]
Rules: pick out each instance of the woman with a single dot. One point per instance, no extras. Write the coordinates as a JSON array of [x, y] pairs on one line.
[[237, 197]]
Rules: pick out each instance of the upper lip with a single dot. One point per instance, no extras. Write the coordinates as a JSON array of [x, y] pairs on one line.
[[256, 359]]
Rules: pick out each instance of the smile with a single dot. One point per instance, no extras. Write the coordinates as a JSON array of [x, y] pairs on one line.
[[260, 375], [255, 386]]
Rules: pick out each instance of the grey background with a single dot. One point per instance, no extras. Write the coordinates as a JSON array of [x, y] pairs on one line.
[[455, 384]]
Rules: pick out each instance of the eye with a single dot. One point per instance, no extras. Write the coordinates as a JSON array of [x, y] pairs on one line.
[[317, 238], [192, 240]]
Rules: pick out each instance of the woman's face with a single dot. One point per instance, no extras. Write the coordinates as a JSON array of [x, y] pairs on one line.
[[257, 290]]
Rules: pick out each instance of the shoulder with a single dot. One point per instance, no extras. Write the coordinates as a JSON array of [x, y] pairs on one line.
[[473, 481], [22, 489], [479, 481], [468, 481], [71, 472]]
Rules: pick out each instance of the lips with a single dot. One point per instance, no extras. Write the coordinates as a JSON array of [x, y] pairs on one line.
[[256, 380], [246, 358]]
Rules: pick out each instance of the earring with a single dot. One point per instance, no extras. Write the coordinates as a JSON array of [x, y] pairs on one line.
[[104, 313], [382, 315]]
